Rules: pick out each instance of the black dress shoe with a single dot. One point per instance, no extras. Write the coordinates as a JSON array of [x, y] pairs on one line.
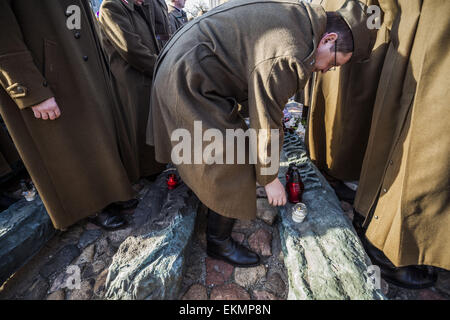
[[152, 177], [109, 219], [220, 245], [6, 201], [343, 192], [409, 277], [127, 205]]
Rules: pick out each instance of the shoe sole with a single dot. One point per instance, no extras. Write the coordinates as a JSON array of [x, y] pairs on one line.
[[217, 257], [405, 286]]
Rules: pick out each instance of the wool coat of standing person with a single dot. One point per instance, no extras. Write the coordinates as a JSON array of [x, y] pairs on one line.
[[342, 103], [177, 15], [213, 68], [129, 39], [404, 190], [9, 157], [162, 22], [51, 67]]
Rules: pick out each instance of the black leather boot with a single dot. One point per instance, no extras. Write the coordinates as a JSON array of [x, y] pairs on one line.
[[220, 245], [109, 219], [409, 277]]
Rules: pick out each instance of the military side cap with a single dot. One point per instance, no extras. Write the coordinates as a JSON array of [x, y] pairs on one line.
[[355, 15]]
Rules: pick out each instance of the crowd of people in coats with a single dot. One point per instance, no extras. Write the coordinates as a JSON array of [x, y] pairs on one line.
[[90, 110]]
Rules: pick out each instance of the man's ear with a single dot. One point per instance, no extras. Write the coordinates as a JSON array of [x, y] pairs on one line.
[[332, 36]]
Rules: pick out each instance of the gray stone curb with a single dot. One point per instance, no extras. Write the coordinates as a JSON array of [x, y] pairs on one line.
[[149, 264], [25, 228], [323, 255]]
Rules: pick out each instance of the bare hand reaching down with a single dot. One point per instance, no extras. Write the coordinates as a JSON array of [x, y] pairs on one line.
[[47, 110], [276, 195]]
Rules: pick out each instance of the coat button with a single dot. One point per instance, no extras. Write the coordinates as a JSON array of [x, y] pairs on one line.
[[19, 89], [384, 190], [77, 35], [391, 162], [45, 84], [85, 58], [376, 217]]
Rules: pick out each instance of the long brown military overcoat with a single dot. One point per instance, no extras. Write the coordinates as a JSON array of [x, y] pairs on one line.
[[8, 153], [74, 161], [129, 39], [249, 53], [404, 189], [342, 103]]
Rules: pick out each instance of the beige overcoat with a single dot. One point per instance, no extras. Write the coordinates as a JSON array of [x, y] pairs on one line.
[[342, 103], [249, 54], [404, 189], [75, 160]]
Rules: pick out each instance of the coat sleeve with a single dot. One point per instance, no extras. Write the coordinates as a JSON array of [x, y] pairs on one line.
[[19, 75], [118, 29], [271, 84]]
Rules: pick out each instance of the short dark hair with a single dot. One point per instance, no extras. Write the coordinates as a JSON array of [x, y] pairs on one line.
[[336, 24]]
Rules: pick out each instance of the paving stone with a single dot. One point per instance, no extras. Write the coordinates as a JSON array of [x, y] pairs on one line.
[[88, 237], [91, 226], [260, 241], [98, 266], [229, 292], [350, 215], [101, 248], [261, 192], [86, 256], [238, 237], [37, 290], [243, 224], [428, 294], [57, 295], [72, 235], [118, 236], [275, 284], [196, 292], [281, 257], [384, 287], [84, 293], [99, 285], [62, 259], [217, 271], [346, 206], [247, 277], [60, 281], [263, 295], [265, 211]]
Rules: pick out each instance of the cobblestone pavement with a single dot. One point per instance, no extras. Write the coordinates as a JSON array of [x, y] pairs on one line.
[[85, 251], [217, 280]]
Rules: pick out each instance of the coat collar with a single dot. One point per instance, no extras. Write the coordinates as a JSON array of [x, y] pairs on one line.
[[318, 20], [175, 11], [130, 4]]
